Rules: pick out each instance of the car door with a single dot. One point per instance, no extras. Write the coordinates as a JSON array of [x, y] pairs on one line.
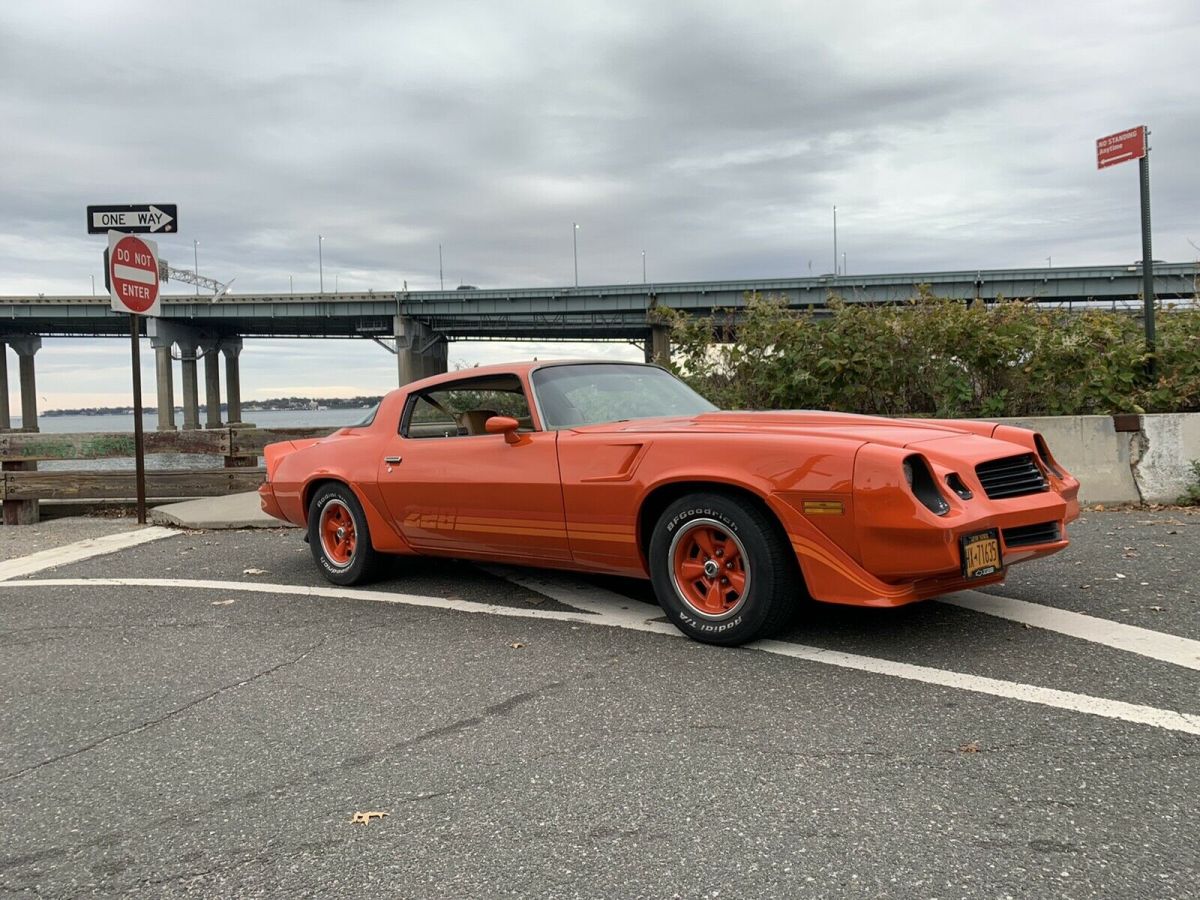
[[452, 488]]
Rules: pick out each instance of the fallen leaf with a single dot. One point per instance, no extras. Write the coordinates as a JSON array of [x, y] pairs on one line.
[[254, 571], [1157, 608], [969, 747], [364, 818], [516, 645]]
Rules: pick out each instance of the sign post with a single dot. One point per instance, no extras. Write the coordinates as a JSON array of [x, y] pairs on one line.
[[1118, 148], [132, 268]]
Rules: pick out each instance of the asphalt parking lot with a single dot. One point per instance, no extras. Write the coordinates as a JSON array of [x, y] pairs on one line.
[[197, 715]]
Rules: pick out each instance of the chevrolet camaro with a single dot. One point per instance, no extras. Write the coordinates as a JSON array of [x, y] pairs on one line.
[[737, 518]]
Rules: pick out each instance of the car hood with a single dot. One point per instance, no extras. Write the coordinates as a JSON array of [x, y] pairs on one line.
[[801, 423]]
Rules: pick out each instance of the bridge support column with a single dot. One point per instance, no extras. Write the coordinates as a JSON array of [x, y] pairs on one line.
[[5, 414], [164, 378], [191, 384], [26, 346], [162, 335], [232, 347], [658, 345], [212, 384], [24, 512], [420, 351]]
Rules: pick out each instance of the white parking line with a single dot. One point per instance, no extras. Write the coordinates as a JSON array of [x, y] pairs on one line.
[[1167, 648], [577, 594], [80, 550], [1170, 720]]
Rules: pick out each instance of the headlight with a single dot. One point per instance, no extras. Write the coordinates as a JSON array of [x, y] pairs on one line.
[[1043, 451], [924, 488]]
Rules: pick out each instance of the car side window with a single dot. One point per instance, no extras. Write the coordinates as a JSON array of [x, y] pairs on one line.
[[461, 409]]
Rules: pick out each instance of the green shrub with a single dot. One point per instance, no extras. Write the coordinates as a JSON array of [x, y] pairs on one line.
[[934, 357]]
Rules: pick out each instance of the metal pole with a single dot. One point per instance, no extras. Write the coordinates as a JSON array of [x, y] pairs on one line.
[[575, 247], [845, 271], [139, 445], [441, 273], [1147, 265], [835, 256], [196, 264], [93, 285], [321, 261]]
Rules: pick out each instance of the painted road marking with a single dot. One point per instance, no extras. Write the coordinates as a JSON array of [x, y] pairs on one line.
[[1166, 648], [1157, 645], [80, 550], [576, 594], [1170, 720]]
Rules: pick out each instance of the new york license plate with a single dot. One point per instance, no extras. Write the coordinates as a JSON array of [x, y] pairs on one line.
[[981, 553]]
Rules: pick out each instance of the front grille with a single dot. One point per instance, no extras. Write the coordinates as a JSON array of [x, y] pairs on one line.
[[1026, 535], [1013, 476]]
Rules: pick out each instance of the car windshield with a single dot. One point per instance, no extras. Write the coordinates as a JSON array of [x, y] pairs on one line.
[[586, 394]]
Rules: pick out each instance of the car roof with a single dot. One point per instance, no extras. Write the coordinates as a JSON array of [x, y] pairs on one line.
[[514, 368]]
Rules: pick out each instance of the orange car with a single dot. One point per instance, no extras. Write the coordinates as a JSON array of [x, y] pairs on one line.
[[620, 468]]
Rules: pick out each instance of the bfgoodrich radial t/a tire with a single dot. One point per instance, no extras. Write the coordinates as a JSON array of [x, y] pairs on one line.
[[338, 535], [721, 571]]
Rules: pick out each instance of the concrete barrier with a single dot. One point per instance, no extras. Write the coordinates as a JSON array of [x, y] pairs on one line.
[[1169, 443], [1150, 465]]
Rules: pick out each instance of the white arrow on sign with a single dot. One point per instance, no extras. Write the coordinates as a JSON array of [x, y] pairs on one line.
[[153, 217]]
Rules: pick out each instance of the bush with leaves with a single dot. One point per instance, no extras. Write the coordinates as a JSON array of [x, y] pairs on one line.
[[933, 357]]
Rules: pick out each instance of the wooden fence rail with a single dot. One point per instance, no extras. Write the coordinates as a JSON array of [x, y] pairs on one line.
[[22, 485]]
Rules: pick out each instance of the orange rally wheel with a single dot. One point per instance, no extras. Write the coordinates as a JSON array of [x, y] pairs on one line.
[[710, 569], [338, 537]]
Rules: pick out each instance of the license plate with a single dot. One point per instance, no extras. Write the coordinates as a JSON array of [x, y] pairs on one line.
[[981, 553]]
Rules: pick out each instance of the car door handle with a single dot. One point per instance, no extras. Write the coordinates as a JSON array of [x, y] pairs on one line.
[[392, 460]]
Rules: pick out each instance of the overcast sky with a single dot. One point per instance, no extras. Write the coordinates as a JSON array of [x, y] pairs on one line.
[[716, 137]]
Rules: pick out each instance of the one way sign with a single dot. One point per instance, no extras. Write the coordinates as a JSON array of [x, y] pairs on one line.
[[133, 218]]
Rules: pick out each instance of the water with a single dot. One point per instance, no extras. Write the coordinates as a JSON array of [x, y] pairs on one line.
[[277, 418]]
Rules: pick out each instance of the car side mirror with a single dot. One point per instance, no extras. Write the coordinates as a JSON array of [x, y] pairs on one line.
[[505, 425]]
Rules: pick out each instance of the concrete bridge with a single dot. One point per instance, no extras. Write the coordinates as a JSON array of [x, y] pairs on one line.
[[417, 325]]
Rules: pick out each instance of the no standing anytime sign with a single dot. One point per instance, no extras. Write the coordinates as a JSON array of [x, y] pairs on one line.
[[133, 274]]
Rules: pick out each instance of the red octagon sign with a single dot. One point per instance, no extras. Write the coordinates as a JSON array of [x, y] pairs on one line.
[[133, 274]]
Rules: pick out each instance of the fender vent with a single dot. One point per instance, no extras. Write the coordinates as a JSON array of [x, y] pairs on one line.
[[1027, 535], [1013, 476]]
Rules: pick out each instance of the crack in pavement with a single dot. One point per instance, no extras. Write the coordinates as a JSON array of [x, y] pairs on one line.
[[495, 710], [171, 714]]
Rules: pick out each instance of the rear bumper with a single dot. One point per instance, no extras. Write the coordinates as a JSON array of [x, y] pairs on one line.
[[266, 498]]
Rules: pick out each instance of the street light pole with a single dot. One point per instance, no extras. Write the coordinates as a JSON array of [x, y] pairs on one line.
[[835, 256], [321, 260], [196, 264], [575, 247]]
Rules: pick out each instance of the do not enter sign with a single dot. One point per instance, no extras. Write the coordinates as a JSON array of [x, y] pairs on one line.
[[133, 274]]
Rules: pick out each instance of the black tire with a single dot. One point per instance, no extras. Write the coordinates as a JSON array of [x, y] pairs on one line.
[[702, 548], [334, 506]]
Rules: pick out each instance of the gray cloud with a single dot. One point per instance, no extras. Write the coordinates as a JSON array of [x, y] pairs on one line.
[[714, 137]]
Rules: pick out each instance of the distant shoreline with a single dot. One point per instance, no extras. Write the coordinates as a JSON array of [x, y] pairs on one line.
[[281, 404]]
